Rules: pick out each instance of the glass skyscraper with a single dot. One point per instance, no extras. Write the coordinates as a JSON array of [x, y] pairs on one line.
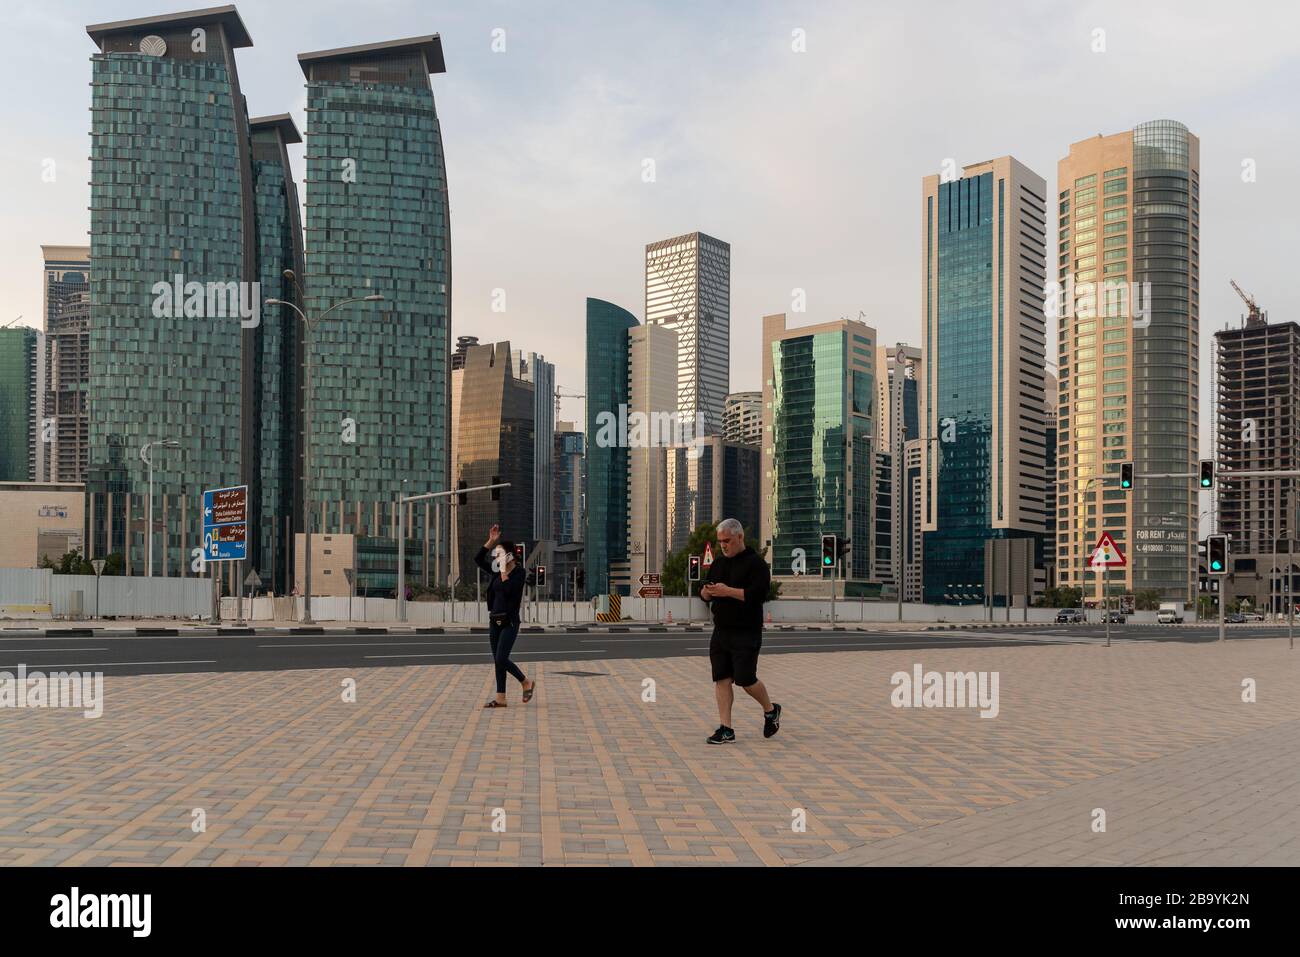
[[171, 201], [18, 345], [607, 463], [819, 442], [377, 223], [983, 353], [275, 388]]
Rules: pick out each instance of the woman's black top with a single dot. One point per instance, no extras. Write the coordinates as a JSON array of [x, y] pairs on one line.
[[503, 597]]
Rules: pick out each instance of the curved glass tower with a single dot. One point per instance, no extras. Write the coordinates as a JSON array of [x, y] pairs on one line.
[[607, 463], [377, 223], [171, 195]]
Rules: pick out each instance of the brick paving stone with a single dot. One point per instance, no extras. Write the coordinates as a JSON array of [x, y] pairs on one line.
[[589, 774]]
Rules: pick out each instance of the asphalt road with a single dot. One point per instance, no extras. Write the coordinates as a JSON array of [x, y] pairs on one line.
[[343, 649]]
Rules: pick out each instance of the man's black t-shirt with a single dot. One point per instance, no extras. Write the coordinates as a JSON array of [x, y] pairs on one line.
[[746, 571]]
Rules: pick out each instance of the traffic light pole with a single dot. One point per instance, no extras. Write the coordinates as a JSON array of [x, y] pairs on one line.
[[834, 568], [401, 537], [1222, 579]]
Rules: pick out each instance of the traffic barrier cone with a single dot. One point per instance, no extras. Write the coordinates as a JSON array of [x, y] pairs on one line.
[[769, 618], [670, 616]]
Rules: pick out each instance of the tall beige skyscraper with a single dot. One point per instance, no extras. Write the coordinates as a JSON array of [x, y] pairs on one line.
[[652, 401], [1128, 323]]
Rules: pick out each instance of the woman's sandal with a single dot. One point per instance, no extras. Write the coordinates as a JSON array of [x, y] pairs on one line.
[[528, 692], [494, 703]]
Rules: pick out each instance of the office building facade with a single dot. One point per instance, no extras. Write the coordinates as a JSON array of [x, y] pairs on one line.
[[688, 290], [983, 361], [378, 224], [898, 380], [652, 399], [1128, 322], [61, 442], [19, 420], [742, 418], [710, 480], [531, 367], [569, 513], [607, 458], [274, 412], [1257, 378], [819, 451], [497, 443]]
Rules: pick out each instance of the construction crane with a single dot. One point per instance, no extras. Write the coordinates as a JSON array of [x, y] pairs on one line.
[[559, 394], [1255, 316]]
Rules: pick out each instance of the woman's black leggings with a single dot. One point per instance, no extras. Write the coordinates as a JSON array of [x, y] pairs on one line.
[[503, 639]]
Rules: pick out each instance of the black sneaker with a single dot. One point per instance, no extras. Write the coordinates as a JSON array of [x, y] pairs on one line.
[[723, 735], [772, 720]]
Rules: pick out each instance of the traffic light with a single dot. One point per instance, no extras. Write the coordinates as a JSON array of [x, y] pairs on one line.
[[844, 548], [1216, 548], [829, 551], [462, 499], [496, 492], [694, 571], [541, 576], [1207, 473], [1126, 475], [519, 553]]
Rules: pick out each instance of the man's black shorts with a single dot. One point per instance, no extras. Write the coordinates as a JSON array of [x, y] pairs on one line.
[[734, 655]]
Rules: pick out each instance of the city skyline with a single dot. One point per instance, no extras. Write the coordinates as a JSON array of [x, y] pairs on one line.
[[822, 227]]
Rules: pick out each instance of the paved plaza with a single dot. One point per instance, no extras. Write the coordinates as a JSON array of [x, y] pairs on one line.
[[414, 772]]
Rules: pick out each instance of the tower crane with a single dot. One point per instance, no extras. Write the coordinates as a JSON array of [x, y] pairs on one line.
[[1255, 316], [559, 394]]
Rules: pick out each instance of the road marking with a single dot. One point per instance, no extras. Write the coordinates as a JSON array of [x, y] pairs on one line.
[[374, 644], [112, 664], [488, 654], [56, 651]]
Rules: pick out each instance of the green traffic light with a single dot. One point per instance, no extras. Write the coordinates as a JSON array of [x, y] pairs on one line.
[[1216, 565], [1127, 484]]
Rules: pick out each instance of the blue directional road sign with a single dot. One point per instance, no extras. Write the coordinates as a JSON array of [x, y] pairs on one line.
[[225, 524]]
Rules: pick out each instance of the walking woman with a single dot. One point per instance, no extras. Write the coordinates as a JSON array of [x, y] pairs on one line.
[[505, 592]]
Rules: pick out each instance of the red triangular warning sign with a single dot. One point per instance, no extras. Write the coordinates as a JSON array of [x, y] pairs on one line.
[[708, 554], [1107, 553]]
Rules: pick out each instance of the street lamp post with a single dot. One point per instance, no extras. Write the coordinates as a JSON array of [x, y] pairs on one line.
[[146, 456], [306, 422]]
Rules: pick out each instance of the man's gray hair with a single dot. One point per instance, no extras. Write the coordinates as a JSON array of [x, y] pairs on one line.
[[731, 526]]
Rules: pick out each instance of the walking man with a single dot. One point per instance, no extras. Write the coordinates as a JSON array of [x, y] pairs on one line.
[[736, 589]]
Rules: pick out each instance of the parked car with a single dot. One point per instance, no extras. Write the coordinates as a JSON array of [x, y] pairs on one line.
[[1252, 616], [1115, 617], [1235, 619], [1069, 616]]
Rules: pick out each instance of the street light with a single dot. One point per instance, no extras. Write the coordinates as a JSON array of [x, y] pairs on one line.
[[306, 421], [147, 458]]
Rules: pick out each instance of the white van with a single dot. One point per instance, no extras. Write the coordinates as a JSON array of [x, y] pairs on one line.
[[1169, 614]]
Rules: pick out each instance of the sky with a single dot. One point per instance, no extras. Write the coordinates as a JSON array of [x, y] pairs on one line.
[[798, 132]]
